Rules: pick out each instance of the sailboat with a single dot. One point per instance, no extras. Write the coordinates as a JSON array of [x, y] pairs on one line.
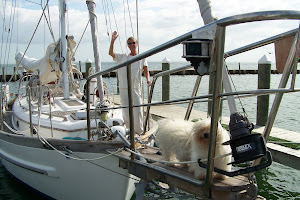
[[69, 147], [50, 142]]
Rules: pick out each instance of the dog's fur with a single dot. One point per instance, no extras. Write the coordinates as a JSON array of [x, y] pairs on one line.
[[174, 139], [181, 140]]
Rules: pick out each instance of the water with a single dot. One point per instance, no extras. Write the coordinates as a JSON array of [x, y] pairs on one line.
[[275, 182]]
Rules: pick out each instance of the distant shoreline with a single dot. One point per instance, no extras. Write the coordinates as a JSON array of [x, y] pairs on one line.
[[153, 72]]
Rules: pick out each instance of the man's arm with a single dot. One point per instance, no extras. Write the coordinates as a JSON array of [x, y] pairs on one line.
[[111, 48], [147, 75]]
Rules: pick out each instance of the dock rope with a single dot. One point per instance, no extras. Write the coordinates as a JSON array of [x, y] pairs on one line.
[[173, 162]]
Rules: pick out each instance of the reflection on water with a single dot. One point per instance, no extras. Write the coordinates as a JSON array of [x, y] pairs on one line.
[[279, 182], [13, 189]]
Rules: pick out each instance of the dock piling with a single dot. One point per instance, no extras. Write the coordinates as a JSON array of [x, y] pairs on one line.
[[80, 66], [165, 80], [88, 65], [264, 78], [15, 74]]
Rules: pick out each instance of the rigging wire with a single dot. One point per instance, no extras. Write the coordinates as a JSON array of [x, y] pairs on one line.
[[11, 34], [116, 24], [130, 19], [30, 40], [17, 49], [44, 29], [137, 24], [108, 13], [8, 32], [67, 20], [49, 22], [33, 2], [81, 37], [124, 15], [3, 30], [105, 16]]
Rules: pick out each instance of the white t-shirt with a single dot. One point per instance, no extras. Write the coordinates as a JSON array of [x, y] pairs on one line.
[[136, 71]]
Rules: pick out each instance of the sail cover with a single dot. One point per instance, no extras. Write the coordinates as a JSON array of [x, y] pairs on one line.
[[45, 64]]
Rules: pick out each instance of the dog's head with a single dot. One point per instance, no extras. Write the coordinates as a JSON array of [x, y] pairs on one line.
[[201, 132]]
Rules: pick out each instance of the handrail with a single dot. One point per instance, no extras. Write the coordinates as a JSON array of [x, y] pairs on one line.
[[259, 16], [260, 43], [217, 60], [236, 19]]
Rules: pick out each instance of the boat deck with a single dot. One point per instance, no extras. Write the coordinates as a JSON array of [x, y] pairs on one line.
[[180, 177]]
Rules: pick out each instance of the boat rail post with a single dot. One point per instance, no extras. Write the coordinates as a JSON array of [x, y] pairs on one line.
[[29, 107], [216, 100], [88, 108], [50, 110], [130, 107], [295, 61]]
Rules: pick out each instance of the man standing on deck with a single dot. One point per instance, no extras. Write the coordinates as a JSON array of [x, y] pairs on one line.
[[136, 75]]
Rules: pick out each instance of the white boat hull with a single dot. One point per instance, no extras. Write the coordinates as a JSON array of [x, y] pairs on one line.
[[60, 177]]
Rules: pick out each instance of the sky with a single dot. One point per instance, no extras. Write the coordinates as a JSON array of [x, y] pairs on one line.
[[158, 22]]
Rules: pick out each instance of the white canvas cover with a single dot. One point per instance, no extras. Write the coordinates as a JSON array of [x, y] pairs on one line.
[[45, 65]]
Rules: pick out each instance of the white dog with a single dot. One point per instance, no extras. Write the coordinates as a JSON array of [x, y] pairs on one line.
[[174, 139], [181, 140]]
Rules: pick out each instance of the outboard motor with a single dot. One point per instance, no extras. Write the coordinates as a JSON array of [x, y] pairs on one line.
[[244, 145]]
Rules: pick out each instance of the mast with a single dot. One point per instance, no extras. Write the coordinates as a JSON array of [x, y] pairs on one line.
[[63, 48], [206, 11], [94, 29]]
